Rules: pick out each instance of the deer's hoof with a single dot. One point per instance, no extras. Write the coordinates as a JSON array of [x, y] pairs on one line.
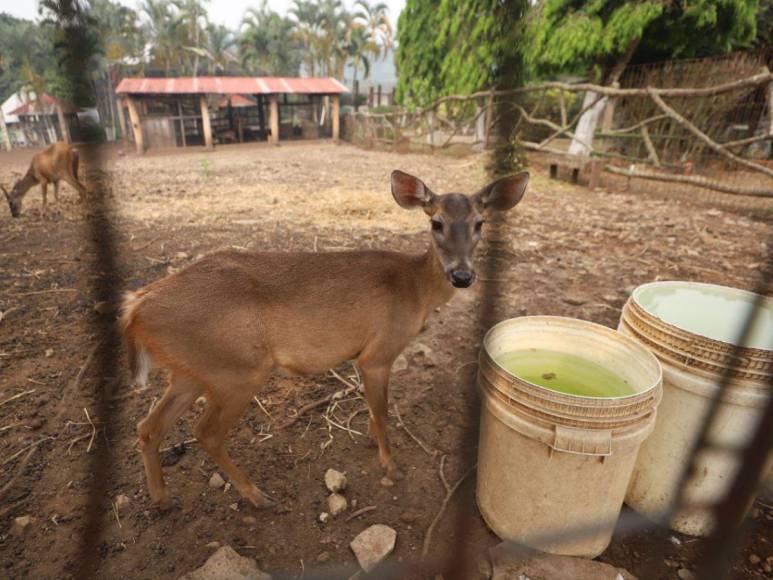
[[162, 501], [260, 500]]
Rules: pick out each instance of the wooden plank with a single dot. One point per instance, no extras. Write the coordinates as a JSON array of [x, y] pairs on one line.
[[134, 117]]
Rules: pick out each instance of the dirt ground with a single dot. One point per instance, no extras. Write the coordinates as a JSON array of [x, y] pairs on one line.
[[568, 251]]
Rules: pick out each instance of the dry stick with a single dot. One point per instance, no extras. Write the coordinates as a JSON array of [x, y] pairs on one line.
[[361, 511], [18, 396], [93, 430], [705, 138], [115, 511], [262, 408], [425, 448], [19, 471], [186, 442], [51, 290], [450, 490], [76, 382], [23, 449], [305, 409], [10, 508]]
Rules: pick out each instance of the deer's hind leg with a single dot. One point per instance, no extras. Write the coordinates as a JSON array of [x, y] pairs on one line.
[[179, 395], [44, 191], [227, 400]]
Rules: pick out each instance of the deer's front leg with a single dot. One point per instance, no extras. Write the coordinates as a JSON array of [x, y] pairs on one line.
[[376, 379], [44, 190]]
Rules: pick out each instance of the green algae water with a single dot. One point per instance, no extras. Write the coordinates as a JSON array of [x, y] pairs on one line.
[[716, 312], [564, 373]]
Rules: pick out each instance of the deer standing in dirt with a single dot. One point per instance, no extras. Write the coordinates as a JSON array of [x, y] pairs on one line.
[[55, 163], [223, 324]]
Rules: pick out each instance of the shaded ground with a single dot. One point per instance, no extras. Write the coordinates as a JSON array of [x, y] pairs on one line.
[[568, 252]]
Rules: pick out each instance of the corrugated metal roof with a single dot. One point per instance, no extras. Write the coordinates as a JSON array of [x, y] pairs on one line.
[[49, 107], [230, 86]]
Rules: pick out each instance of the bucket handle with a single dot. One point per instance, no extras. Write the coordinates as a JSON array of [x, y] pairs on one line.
[[594, 443]]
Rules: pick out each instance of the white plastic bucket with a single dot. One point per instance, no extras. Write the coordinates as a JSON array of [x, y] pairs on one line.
[[690, 328], [550, 462]]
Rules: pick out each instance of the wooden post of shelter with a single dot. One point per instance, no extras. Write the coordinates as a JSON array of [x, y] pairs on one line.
[[489, 119], [121, 118], [274, 119], [370, 96], [336, 117], [431, 129], [207, 126], [378, 96], [63, 128], [480, 123], [134, 117], [4, 131]]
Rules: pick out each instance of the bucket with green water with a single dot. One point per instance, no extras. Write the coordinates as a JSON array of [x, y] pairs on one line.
[[566, 405]]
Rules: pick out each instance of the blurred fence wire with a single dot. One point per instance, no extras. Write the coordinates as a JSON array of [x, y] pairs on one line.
[[76, 32]]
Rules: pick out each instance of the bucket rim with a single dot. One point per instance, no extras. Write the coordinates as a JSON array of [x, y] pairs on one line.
[[752, 296], [628, 341]]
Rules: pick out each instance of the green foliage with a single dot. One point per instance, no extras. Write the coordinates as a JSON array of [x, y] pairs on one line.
[[267, 44], [585, 35], [456, 46]]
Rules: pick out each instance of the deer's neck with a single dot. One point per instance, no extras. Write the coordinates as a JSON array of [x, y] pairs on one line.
[[24, 184], [434, 283]]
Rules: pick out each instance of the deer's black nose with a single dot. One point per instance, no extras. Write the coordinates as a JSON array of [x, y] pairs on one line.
[[461, 278]]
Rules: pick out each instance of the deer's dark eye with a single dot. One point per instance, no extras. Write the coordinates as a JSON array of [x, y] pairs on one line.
[[437, 226], [478, 227]]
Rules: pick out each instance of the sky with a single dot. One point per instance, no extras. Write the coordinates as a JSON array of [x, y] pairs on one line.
[[223, 11]]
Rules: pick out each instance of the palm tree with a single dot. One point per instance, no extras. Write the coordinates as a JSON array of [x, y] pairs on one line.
[[308, 23], [220, 41], [268, 44], [359, 47], [192, 14], [376, 20]]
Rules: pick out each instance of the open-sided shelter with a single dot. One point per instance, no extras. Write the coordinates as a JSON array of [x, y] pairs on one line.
[[204, 110]]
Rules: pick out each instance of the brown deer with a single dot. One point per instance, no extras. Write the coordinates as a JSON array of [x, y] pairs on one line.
[[223, 324], [55, 163]]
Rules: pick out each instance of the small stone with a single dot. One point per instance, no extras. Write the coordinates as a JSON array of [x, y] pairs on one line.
[[336, 503], [400, 364], [424, 354], [714, 212], [685, 574], [234, 506], [372, 545], [672, 563], [181, 256], [21, 524], [575, 299], [213, 545], [323, 557], [754, 559], [49, 352], [226, 563], [335, 481], [386, 482], [249, 520], [216, 481], [324, 517], [121, 503]]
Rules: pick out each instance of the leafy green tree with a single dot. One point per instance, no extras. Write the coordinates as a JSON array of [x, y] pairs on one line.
[[602, 36], [220, 42], [455, 46]]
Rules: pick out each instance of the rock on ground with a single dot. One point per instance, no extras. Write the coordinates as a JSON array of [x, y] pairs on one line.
[[121, 503], [335, 481], [216, 481], [21, 524], [507, 565], [226, 564], [372, 545], [336, 504]]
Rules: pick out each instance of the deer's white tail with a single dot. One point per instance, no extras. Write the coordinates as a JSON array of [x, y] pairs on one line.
[[140, 361]]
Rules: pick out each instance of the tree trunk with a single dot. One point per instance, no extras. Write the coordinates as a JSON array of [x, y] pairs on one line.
[[586, 126], [356, 87]]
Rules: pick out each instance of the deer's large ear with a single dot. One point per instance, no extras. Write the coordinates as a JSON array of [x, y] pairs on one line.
[[503, 194], [410, 192]]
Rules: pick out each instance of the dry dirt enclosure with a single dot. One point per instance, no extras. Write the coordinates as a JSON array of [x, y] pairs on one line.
[[568, 252]]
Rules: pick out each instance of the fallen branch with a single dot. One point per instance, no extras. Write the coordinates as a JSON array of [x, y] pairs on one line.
[[450, 490], [19, 472], [419, 442], [692, 180], [18, 396], [23, 449], [361, 511]]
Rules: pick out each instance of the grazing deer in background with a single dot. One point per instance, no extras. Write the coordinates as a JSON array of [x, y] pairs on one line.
[[57, 162], [223, 324]]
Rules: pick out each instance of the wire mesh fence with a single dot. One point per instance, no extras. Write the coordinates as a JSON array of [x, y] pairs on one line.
[[457, 558]]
